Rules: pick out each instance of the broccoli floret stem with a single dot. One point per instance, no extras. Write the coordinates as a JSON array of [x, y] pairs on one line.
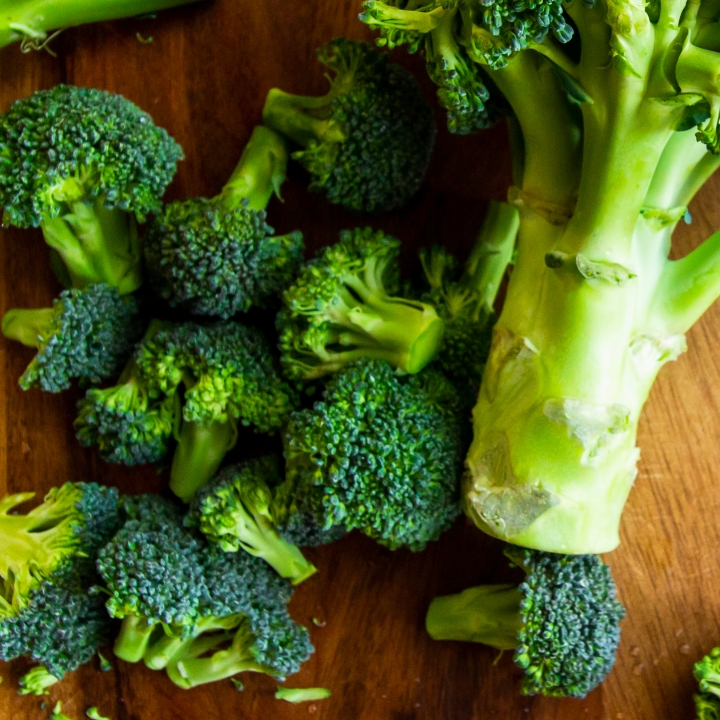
[[97, 245], [37, 681], [302, 119], [488, 614], [31, 21], [199, 454], [133, 639], [29, 327], [260, 172]]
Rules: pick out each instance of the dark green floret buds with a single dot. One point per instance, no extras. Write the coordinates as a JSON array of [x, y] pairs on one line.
[[219, 256], [342, 307], [367, 142], [563, 621]]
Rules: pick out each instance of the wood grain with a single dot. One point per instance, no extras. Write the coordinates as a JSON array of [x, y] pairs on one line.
[[204, 77]]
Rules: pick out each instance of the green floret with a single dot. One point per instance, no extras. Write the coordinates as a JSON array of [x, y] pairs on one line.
[[46, 563], [84, 165], [37, 681], [123, 422], [342, 308], [219, 256], [707, 706], [707, 673], [152, 573], [367, 143], [563, 621], [380, 453], [235, 511], [86, 334], [229, 377]]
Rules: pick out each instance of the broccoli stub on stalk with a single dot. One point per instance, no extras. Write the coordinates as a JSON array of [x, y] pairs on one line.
[[84, 165], [707, 673], [563, 621], [367, 142], [227, 375], [342, 307], [219, 256], [379, 453], [47, 566], [235, 511], [86, 335]]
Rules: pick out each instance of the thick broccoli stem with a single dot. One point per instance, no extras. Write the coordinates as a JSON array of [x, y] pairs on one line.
[[29, 327], [97, 245], [133, 639], [488, 614], [260, 172], [199, 454], [300, 118], [31, 20]]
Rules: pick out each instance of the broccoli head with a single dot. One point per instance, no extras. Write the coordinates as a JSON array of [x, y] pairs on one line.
[[235, 511], [87, 334], [563, 621], [46, 564], [84, 165], [707, 673], [367, 143], [219, 256], [342, 308], [380, 453]]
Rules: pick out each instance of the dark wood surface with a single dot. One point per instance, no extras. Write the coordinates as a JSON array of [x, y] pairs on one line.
[[204, 77]]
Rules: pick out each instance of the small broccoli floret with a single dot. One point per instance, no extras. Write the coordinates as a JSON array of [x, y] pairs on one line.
[[123, 422], [563, 621], [218, 256], [57, 713], [235, 511], [380, 453], [37, 681], [707, 673], [229, 377], [367, 143], [86, 334], [46, 563], [342, 308], [84, 164], [707, 706]]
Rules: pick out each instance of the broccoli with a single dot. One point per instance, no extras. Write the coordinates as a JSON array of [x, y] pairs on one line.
[[218, 256], [617, 131], [229, 377], [367, 143], [707, 673], [123, 422], [84, 165], [379, 453], [37, 681], [562, 621], [235, 511], [30, 21], [86, 334], [342, 308], [47, 567]]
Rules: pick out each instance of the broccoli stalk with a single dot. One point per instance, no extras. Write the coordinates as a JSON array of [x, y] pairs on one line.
[[30, 21], [133, 639]]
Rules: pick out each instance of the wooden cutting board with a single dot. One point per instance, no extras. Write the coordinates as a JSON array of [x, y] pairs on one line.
[[204, 77]]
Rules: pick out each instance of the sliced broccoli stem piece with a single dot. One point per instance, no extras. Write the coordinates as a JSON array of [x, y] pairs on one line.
[[30, 21], [133, 639], [260, 172], [97, 245], [488, 614], [301, 118], [199, 454]]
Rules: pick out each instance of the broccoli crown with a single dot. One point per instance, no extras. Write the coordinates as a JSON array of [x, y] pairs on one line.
[[380, 453], [125, 424], [570, 622], [213, 260], [89, 336], [229, 371], [71, 143], [707, 673]]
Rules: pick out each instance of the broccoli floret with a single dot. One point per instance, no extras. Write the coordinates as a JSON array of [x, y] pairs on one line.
[[380, 453], [342, 308], [229, 377], [235, 511], [84, 164], [47, 563], [219, 256], [707, 673], [367, 143], [563, 621], [123, 422], [37, 681], [707, 706], [86, 334]]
